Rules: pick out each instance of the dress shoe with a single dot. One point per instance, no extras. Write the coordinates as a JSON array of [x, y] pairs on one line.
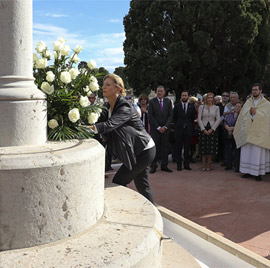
[[258, 178], [153, 170], [246, 176], [166, 169], [227, 168], [179, 167], [223, 164], [187, 167]]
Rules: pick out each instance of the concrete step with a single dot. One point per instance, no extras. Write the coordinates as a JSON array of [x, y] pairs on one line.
[[128, 235], [174, 256]]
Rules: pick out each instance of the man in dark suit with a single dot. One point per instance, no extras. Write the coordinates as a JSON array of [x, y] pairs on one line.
[[183, 116], [160, 116]]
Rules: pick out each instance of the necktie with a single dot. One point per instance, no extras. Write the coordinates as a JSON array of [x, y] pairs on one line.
[[161, 106], [185, 108]]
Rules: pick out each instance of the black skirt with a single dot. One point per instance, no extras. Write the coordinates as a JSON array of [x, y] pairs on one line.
[[208, 144]]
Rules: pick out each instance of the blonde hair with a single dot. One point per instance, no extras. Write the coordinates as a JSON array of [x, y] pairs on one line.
[[209, 94], [192, 99], [118, 82]]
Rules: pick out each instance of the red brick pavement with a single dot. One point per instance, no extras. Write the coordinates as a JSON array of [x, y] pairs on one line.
[[219, 200]]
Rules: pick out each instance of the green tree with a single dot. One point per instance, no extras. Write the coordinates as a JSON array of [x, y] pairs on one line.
[[198, 46], [121, 72]]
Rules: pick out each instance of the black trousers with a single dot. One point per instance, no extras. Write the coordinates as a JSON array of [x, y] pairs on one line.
[[162, 142], [232, 153], [139, 173], [183, 137]]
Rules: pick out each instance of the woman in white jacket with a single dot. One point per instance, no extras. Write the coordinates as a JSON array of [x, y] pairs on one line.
[[208, 120]]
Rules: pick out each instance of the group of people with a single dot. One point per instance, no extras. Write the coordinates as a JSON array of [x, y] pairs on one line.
[[216, 124], [139, 141]]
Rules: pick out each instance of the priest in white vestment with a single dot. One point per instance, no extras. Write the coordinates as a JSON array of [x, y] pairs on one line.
[[252, 134]]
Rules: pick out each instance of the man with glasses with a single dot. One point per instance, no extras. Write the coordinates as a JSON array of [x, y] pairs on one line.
[[252, 134]]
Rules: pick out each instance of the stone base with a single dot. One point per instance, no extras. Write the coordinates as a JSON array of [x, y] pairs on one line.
[[49, 192], [128, 235]]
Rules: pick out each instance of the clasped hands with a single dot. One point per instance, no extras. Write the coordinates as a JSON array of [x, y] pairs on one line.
[[252, 110], [162, 129], [208, 132]]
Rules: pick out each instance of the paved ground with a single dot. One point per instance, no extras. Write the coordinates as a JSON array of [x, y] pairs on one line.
[[236, 208]]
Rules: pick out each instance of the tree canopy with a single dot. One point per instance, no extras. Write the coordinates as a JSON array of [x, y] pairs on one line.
[[199, 46]]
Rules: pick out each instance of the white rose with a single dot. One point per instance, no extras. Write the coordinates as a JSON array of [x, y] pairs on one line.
[[92, 118], [47, 54], [86, 89], [53, 123], [65, 50], [91, 64], [57, 55], [74, 115], [58, 45], [47, 88], [99, 111], [78, 49], [65, 77], [75, 58], [41, 46], [89, 93], [35, 57], [93, 79], [74, 73], [50, 76], [94, 86], [41, 63], [61, 40], [84, 101]]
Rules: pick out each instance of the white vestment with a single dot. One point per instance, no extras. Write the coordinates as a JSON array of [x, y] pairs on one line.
[[254, 160]]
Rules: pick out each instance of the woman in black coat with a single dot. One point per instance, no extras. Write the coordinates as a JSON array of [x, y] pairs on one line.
[[126, 137]]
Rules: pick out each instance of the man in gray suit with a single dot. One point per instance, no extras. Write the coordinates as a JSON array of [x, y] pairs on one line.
[[160, 117]]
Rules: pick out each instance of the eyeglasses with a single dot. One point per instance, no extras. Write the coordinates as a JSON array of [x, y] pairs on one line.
[[225, 95]]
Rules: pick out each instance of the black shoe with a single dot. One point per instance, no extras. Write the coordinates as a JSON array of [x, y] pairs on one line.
[[166, 169], [246, 176], [223, 164], [153, 170], [187, 168], [179, 167], [192, 160], [258, 178], [227, 168]]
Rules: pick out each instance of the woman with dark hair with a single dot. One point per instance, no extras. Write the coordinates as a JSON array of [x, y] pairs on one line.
[[126, 137], [208, 120], [143, 104]]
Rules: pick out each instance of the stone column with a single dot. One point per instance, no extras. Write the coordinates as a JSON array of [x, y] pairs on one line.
[[23, 114]]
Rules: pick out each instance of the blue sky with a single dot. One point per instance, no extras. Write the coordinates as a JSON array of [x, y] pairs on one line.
[[95, 25]]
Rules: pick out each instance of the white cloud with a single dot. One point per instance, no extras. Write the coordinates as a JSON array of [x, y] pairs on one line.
[[55, 15], [49, 33], [115, 20], [105, 49]]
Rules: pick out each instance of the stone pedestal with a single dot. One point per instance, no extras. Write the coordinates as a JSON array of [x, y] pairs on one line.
[[49, 192]]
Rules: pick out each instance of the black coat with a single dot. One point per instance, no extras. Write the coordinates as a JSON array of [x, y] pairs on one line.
[[183, 121], [124, 131], [158, 118]]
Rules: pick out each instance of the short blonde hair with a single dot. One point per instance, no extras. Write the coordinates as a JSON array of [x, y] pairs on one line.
[[192, 99], [118, 82]]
